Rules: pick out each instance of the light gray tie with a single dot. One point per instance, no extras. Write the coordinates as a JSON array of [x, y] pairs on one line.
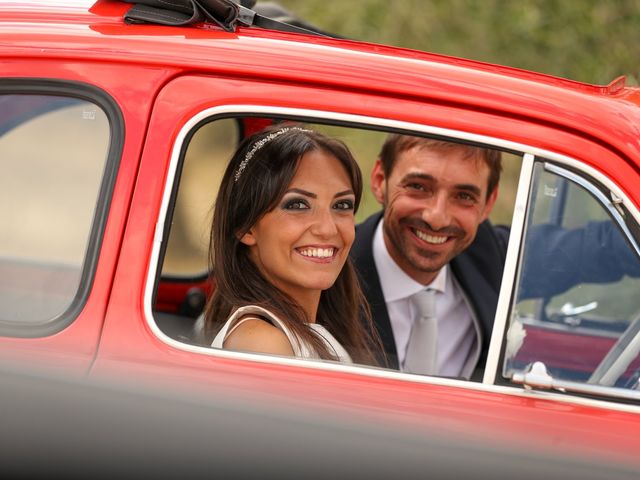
[[423, 342]]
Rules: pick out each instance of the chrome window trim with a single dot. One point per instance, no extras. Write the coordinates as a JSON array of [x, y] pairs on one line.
[[510, 269], [358, 121], [545, 381]]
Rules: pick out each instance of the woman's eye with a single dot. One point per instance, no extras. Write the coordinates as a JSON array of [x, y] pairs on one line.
[[344, 205], [295, 204]]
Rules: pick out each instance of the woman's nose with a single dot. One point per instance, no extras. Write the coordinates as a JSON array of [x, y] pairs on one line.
[[324, 224]]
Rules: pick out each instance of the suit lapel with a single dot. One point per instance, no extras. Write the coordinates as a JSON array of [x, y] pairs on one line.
[[362, 256], [478, 270]]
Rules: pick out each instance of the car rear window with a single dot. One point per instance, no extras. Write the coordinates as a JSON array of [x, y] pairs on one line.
[[54, 149]]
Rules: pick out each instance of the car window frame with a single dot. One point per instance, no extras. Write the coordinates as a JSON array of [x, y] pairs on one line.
[[526, 152], [100, 98], [598, 185]]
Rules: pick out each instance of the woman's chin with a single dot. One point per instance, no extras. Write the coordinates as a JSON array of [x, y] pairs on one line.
[[320, 283]]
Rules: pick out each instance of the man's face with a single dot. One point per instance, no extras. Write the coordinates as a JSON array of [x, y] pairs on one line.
[[434, 200]]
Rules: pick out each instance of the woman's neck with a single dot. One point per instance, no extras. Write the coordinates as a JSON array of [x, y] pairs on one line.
[[309, 301]]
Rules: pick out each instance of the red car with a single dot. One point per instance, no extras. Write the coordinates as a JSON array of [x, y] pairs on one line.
[[114, 134]]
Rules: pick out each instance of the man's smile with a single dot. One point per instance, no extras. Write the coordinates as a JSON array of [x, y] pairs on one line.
[[434, 239]]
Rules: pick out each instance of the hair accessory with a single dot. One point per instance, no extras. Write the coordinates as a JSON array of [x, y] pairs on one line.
[[259, 144]]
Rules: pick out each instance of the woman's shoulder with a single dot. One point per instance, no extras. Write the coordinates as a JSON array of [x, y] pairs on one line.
[[257, 335]]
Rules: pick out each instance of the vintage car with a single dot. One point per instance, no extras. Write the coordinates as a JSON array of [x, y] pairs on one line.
[[115, 128]]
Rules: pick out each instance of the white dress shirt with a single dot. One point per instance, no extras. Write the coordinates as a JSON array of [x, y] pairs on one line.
[[457, 336]]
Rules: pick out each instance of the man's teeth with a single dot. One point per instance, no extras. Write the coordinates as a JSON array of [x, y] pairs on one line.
[[317, 252], [430, 238]]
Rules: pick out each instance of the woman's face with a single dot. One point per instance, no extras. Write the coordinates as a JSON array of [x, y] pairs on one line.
[[302, 244]]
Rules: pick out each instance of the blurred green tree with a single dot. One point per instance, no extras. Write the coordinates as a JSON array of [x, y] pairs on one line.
[[586, 40]]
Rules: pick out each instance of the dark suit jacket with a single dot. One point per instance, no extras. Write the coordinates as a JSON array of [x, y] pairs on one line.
[[478, 270], [556, 260]]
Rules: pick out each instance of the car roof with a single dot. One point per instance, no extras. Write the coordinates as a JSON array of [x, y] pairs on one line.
[[83, 28], [109, 13]]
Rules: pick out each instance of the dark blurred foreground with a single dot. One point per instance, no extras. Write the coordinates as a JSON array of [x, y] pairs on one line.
[[65, 429]]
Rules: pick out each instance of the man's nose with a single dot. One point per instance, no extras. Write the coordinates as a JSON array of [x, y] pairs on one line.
[[324, 224], [436, 212]]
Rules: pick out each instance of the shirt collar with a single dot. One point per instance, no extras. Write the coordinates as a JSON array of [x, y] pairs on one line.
[[395, 283]]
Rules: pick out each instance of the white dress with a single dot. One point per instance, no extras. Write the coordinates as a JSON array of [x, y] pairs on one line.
[[299, 346]]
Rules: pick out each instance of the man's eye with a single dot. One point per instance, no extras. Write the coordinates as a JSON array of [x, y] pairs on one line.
[[466, 197], [418, 187], [295, 204], [344, 205]]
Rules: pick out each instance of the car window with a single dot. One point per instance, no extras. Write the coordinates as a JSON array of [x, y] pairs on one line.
[[183, 286], [204, 162], [576, 307], [53, 151]]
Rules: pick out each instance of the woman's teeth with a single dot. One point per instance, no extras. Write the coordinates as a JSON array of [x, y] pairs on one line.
[[317, 252]]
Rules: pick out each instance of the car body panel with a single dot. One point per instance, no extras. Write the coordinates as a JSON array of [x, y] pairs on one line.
[[162, 78], [125, 342]]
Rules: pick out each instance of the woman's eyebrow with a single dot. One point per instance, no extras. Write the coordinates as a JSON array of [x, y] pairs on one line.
[[302, 192], [313, 195]]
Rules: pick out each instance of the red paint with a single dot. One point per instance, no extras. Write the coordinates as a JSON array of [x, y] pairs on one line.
[[161, 76]]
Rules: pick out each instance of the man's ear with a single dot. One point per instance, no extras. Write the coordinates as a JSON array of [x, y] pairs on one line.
[[491, 201], [248, 238], [378, 182]]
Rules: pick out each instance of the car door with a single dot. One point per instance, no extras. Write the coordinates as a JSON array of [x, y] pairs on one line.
[[210, 113]]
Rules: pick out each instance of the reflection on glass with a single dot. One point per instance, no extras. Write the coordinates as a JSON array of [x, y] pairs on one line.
[[577, 287], [52, 155]]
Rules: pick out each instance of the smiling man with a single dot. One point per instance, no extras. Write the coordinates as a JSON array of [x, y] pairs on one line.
[[433, 234]]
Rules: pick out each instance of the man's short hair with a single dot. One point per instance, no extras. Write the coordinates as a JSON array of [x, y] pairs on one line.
[[397, 143]]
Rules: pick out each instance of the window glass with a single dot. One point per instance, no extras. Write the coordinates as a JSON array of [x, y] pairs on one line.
[[209, 150], [52, 156], [577, 307], [183, 286]]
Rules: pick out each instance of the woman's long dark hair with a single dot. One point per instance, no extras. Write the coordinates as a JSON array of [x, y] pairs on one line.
[[255, 180]]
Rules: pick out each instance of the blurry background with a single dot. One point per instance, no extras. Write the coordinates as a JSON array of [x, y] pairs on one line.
[[591, 41]]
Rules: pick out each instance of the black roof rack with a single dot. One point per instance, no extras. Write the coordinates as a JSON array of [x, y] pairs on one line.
[[228, 14]]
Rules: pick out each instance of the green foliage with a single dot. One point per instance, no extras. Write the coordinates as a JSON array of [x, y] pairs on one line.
[[586, 40]]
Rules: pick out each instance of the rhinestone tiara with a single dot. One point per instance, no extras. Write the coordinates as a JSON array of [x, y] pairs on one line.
[[258, 145]]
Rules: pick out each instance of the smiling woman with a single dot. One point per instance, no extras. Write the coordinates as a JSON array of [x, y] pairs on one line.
[[282, 229]]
